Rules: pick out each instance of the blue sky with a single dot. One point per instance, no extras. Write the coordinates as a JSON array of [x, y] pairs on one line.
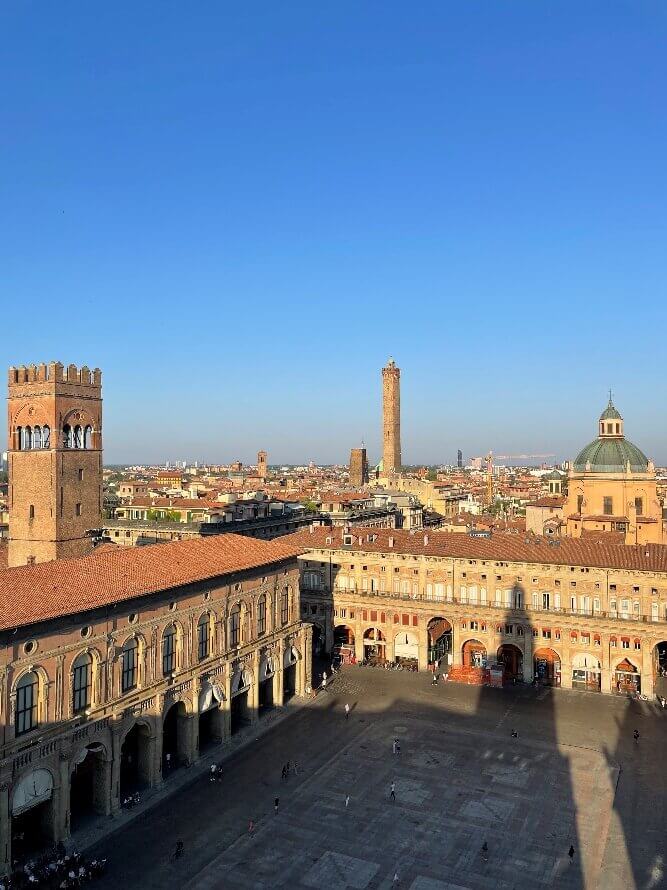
[[238, 211]]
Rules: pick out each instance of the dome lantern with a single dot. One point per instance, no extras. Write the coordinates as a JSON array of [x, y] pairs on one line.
[[611, 422]]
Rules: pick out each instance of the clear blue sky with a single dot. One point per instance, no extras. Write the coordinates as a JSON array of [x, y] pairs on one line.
[[238, 211]]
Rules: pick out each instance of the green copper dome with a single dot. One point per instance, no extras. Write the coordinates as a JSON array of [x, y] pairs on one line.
[[611, 456], [610, 412]]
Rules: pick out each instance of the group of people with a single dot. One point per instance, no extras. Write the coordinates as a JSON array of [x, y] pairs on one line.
[[56, 871]]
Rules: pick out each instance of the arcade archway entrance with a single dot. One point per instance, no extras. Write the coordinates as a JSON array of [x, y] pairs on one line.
[[546, 664], [440, 640], [473, 654], [135, 760], [174, 739], [511, 658], [88, 786], [32, 814]]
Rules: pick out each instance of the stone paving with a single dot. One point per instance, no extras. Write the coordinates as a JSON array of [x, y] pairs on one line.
[[454, 790], [573, 775]]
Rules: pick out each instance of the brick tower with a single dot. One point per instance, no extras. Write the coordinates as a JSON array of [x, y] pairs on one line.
[[261, 464], [391, 418], [55, 461], [358, 467]]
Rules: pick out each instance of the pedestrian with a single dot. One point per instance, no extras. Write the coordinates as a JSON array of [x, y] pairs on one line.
[[398, 747], [485, 851], [296, 768], [251, 828], [283, 774], [394, 745], [168, 761], [287, 770], [393, 791], [276, 803], [434, 680], [395, 877], [570, 853], [347, 711], [324, 683], [515, 734], [635, 735], [347, 801], [178, 852]]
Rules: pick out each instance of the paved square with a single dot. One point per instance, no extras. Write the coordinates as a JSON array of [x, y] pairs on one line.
[[455, 790]]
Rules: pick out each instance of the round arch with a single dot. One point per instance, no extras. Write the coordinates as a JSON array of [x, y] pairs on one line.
[[586, 672], [406, 646], [626, 675], [511, 657], [374, 644], [473, 654], [440, 633], [547, 666], [343, 635]]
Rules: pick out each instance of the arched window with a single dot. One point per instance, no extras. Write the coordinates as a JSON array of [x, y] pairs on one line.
[[234, 625], [88, 437], [37, 437], [46, 436], [19, 438], [82, 682], [27, 696], [169, 650], [78, 436], [27, 438], [128, 677], [284, 606], [613, 642], [204, 636], [67, 436], [261, 615]]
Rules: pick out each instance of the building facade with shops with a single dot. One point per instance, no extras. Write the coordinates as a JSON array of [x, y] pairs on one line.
[[572, 613], [124, 666]]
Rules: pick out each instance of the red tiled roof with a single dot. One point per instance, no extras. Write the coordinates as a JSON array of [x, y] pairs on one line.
[[110, 575], [548, 502], [500, 547]]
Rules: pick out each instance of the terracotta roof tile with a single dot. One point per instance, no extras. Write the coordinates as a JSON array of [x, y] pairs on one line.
[[110, 575], [500, 547]]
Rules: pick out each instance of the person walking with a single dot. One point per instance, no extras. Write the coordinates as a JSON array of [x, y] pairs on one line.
[[296, 768], [180, 849], [287, 770], [347, 711], [515, 734], [276, 804], [324, 682], [635, 735], [485, 851], [347, 801], [392, 793], [251, 828], [283, 774], [570, 853], [394, 744]]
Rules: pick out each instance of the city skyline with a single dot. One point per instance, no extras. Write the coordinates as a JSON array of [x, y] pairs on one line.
[[217, 218]]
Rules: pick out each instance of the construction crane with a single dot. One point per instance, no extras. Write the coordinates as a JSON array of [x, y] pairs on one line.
[[523, 456]]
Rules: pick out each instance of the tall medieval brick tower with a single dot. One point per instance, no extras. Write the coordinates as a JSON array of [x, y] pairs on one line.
[[391, 418], [262, 467], [55, 461]]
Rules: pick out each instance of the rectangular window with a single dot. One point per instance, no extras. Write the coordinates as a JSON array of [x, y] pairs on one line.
[[78, 509], [546, 600], [129, 673], [261, 615], [284, 607], [580, 503], [234, 626], [639, 506], [26, 705], [203, 638], [80, 475], [608, 508], [81, 686]]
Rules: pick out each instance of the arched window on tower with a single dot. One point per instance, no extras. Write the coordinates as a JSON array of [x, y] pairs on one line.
[[37, 437], [19, 438], [46, 436], [67, 436], [88, 437], [27, 438], [78, 437]]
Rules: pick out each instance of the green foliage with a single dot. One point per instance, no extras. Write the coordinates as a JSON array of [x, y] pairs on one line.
[[310, 506], [164, 515]]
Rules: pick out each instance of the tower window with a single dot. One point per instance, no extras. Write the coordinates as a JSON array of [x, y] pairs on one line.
[[580, 503], [639, 506], [80, 474], [67, 436], [608, 508], [31, 511], [78, 509], [610, 427]]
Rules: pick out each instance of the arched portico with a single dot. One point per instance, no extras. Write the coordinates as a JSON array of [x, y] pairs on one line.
[[374, 644], [241, 705], [440, 642], [406, 648], [473, 654], [136, 755], [626, 676], [511, 658], [90, 787], [211, 719], [586, 672], [175, 740], [32, 814], [547, 666]]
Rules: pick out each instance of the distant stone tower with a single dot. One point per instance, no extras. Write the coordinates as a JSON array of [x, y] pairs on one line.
[[55, 461], [358, 467], [262, 469], [391, 418]]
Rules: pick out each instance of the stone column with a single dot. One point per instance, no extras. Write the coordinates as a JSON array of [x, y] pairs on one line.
[[227, 705], [61, 812], [646, 669], [116, 745], [278, 686], [155, 756], [253, 697], [457, 657], [5, 829], [305, 666], [605, 673], [528, 660], [566, 670]]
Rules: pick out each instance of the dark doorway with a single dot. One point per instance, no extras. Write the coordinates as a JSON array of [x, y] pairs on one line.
[[174, 746], [210, 728], [439, 642], [318, 641], [32, 831], [511, 658], [266, 695], [88, 792], [135, 761], [289, 682], [240, 715]]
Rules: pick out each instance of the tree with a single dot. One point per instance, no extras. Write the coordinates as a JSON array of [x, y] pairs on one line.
[[310, 506]]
